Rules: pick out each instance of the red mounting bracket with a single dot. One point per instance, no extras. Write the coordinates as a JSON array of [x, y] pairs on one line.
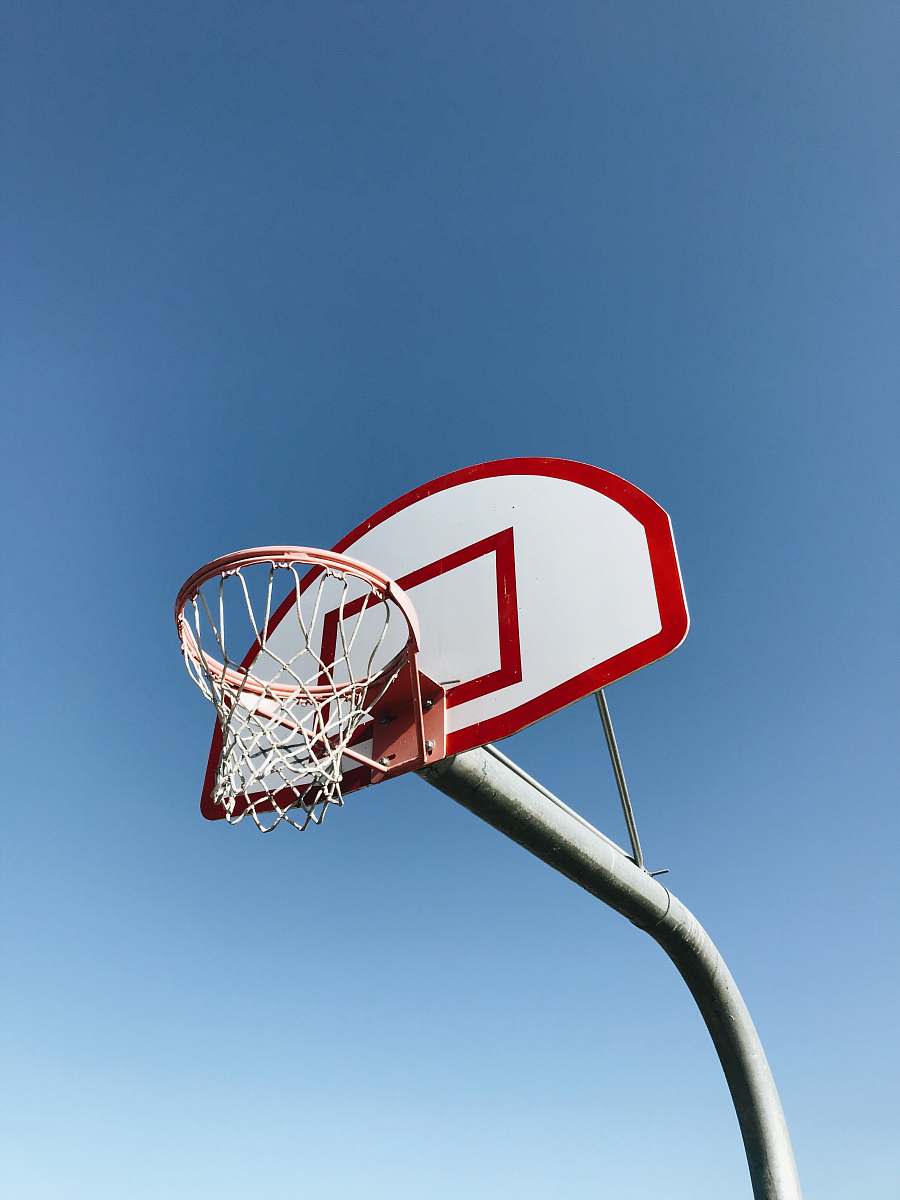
[[408, 724]]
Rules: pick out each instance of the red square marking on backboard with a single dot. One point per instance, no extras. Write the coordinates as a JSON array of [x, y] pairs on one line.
[[510, 669]]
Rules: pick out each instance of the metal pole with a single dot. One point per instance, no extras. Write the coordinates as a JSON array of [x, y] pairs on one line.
[[533, 817], [618, 771]]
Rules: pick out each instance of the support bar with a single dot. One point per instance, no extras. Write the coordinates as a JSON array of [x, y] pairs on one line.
[[619, 772], [531, 816]]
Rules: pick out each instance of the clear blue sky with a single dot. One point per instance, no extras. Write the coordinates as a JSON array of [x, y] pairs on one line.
[[265, 267]]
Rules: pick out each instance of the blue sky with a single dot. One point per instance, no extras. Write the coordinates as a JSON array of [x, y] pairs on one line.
[[267, 266]]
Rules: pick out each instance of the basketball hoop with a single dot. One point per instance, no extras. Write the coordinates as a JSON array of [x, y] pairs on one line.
[[331, 664]]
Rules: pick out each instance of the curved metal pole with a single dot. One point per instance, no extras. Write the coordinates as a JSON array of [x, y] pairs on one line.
[[509, 800]]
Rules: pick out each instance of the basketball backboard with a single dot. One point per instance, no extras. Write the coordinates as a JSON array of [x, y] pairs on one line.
[[536, 581]]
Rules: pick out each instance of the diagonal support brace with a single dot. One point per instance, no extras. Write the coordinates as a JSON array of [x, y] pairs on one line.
[[628, 811]]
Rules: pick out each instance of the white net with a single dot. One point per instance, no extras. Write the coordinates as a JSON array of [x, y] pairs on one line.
[[324, 647]]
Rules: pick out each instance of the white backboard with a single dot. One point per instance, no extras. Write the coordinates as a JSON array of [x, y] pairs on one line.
[[536, 581]]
